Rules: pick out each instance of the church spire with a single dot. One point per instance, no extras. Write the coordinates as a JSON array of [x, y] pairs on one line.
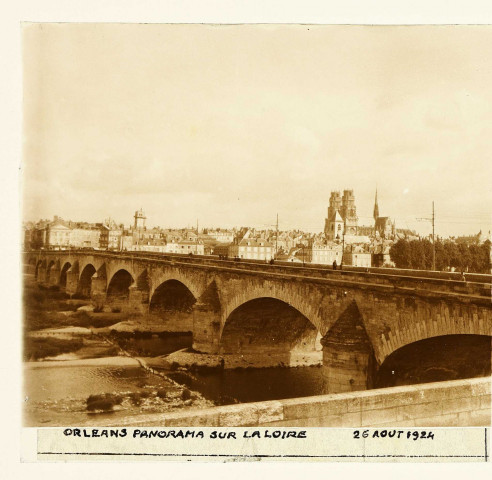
[[376, 208]]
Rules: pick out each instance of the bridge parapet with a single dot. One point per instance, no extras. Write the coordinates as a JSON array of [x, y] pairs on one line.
[[413, 282]]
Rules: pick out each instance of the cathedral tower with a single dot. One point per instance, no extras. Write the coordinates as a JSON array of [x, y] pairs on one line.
[[342, 216], [348, 212], [376, 207]]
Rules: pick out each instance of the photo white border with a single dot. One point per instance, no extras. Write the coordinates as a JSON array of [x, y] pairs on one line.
[[165, 11]]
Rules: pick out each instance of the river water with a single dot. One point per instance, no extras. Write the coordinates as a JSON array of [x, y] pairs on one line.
[[56, 391]]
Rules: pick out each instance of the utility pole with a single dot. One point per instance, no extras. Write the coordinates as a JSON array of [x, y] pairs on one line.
[[276, 239], [433, 221], [433, 239]]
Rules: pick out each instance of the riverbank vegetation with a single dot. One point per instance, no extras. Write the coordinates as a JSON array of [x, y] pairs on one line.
[[49, 308], [148, 399], [42, 347], [450, 254]]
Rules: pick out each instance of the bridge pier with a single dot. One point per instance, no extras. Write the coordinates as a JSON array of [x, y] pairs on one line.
[[54, 276], [206, 329], [41, 279], [72, 282], [348, 357], [206, 321], [137, 300], [98, 291]]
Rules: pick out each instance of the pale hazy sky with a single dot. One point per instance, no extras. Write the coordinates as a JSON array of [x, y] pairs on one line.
[[232, 124]]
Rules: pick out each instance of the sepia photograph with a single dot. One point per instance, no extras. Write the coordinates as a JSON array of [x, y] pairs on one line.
[[256, 226]]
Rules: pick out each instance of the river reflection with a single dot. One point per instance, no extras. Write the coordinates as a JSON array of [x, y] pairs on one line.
[[60, 382], [154, 345], [254, 384]]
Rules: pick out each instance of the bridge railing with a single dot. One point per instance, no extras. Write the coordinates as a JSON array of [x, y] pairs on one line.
[[478, 284]]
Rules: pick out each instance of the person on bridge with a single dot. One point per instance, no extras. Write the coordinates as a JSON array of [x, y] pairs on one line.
[[334, 264]]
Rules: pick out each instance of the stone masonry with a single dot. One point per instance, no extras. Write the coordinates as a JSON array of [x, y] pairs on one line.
[[361, 317]]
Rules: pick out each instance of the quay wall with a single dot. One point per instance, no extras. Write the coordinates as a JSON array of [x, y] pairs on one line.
[[462, 403]]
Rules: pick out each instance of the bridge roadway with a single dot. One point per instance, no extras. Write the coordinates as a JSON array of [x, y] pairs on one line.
[[359, 316]]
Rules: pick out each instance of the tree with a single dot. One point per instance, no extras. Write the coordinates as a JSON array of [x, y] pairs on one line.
[[400, 254], [417, 254]]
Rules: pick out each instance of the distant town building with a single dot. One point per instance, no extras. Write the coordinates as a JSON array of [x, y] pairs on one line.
[[84, 236], [222, 236], [296, 255], [59, 235], [381, 253], [126, 241], [185, 247], [252, 249], [324, 253], [357, 257], [221, 250]]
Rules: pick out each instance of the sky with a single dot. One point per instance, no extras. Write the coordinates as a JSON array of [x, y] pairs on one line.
[[230, 125]]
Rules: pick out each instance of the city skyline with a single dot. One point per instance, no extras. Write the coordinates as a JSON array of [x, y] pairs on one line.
[[232, 125], [365, 222]]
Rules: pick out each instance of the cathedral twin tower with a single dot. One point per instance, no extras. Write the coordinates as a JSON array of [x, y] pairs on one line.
[[342, 216]]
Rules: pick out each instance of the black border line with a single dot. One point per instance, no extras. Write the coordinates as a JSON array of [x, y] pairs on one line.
[[486, 453], [250, 456]]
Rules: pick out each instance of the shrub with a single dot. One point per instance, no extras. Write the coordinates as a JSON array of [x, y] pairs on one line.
[[185, 394], [174, 366], [40, 307], [105, 402], [81, 319], [162, 393], [136, 398]]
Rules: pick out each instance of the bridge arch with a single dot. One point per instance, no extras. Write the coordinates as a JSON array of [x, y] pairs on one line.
[[85, 280], [437, 358], [267, 325], [90, 260], [427, 321], [157, 278], [63, 274], [298, 302], [119, 285], [171, 296]]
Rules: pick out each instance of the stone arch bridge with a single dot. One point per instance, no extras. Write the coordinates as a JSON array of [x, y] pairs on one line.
[[241, 307]]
